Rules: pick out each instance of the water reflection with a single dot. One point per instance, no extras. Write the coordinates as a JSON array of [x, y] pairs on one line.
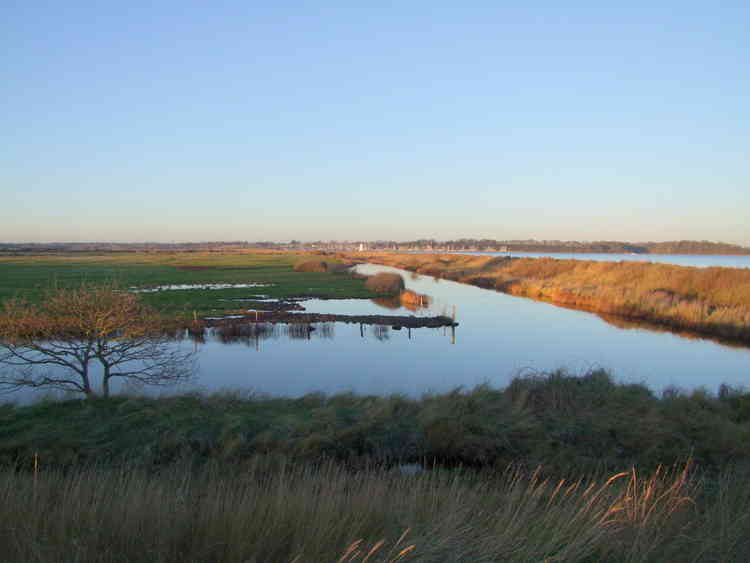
[[250, 334], [639, 324], [410, 300], [381, 332]]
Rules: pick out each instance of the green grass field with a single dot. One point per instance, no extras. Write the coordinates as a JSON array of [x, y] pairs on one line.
[[30, 276]]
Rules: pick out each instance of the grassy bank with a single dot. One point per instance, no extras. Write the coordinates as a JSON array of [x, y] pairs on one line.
[[565, 423], [30, 276], [711, 301], [273, 511], [551, 468]]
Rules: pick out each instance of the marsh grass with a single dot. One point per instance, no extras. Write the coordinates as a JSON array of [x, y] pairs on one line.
[[554, 467], [269, 509], [563, 422]]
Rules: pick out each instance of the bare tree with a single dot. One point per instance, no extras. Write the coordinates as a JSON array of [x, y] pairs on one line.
[[57, 344]]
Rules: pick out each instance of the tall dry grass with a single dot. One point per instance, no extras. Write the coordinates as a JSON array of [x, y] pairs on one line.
[[270, 511], [713, 301]]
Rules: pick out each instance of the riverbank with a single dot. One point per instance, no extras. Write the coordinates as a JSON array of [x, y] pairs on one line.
[[710, 301], [568, 424], [553, 467]]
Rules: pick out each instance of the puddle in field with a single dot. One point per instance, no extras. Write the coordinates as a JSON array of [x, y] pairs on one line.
[[184, 286]]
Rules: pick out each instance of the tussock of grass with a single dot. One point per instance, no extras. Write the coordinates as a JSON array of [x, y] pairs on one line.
[[311, 266], [713, 301], [385, 283]]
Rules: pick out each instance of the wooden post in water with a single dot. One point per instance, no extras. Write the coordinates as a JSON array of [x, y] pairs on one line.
[[453, 334], [361, 330], [409, 329]]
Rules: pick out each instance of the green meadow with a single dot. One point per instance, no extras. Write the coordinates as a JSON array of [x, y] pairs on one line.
[[29, 276]]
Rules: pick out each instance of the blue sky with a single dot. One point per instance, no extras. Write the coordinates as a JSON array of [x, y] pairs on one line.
[[163, 121]]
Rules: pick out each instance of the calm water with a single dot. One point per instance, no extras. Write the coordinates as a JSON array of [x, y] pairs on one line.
[[499, 336], [697, 261]]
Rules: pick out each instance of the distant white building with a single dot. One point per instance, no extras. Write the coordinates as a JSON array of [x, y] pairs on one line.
[[361, 246]]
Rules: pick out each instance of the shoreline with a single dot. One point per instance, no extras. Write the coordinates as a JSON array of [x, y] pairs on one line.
[[714, 304]]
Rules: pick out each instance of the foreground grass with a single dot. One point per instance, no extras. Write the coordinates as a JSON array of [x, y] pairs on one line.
[[552, 468], [30, 276], [712, 301], [565, 423], [268, 510]]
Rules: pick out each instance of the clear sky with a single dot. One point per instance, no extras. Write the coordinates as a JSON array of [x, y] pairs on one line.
[[181, 120]]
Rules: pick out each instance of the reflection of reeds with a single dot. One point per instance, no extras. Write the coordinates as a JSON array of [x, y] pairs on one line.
[[408, 299], [246, 333], [250, 333], [299, 331], [414, 301], [381, 332], [325, 330], [197, 334]]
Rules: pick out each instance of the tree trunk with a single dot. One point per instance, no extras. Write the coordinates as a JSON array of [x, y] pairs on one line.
[[87, 383], [105, 382]]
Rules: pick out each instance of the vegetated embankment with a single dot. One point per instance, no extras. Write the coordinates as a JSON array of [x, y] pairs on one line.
[[712, 301], [542, 470]]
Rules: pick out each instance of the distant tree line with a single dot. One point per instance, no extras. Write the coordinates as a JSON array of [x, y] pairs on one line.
[[485, 244], [532, 245]]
